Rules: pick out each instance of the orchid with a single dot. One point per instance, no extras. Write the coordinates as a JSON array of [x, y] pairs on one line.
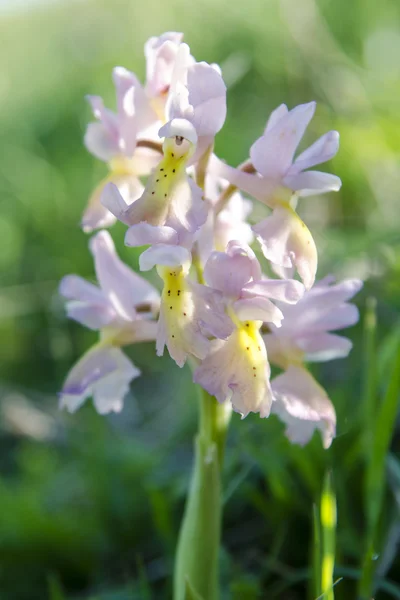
[[189, 312], [171, 199], [305, 336], [217, 310], [237, 369], [121, 309], [113, 139], [279, 181]]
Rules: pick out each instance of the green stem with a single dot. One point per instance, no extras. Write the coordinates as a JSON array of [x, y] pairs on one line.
[[196, 566]]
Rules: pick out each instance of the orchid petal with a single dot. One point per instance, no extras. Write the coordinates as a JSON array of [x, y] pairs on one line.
[[258, 309], [289, 291], [164, 254], [143, 234], [103, 372], [74, 287], [207, 95], [310, 183], [238, 371], [322, 347], [124, 288], [286, 241], [325, 148], [100, 142], [272, 154], [92, 316], [231, 270], [304, 406], [276, 116]]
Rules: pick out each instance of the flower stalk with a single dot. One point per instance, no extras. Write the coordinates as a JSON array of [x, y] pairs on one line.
[[196, 567]]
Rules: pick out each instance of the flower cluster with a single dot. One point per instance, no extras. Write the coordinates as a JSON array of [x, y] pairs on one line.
[[184, 204]]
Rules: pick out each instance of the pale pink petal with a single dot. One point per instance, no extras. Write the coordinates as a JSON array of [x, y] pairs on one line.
[[97, 215], [276, 116], [260, 188], [74, 287], [304, 406], [258, 309], [109, 393], [322, 347], [230, 271], [164, 254], [100, 142], [160, 55], [106, 116], [143, 234], [310, 183], [207, 95], [272, 154], [123, 287], [96, 364], [91, 315], [210, 311], [113, 201], [286, 241], [289, 291], [325, 148]]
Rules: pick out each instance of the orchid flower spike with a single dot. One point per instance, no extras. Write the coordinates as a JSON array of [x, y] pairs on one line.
[[190, 313], [306, 335], [121, 308], [238, 369], [278, 182], [171, 201], [113, 139]]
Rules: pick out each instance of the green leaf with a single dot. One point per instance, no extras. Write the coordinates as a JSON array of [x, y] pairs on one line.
[[55, 589], [190, 593], [375, 476]]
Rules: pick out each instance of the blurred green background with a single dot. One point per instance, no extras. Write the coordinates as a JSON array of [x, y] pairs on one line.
[[90, 506]]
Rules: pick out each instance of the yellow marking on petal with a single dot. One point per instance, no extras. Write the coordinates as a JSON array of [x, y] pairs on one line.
[[251, 346], [177, 309], [163, 181]]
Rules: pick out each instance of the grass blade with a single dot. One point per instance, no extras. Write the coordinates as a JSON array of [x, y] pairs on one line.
[[328, 528]]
